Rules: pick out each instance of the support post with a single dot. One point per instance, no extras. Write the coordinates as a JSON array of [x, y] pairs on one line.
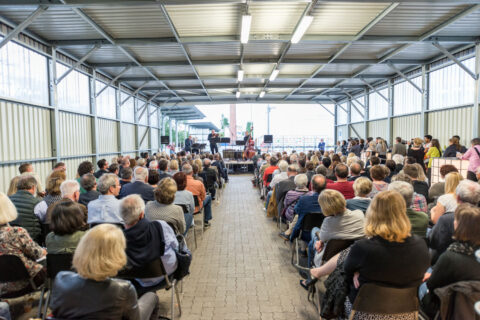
[[118, 97], [54, 114], [349, 117], [176, 134], [137, 126], [335, 107], [476, 96], [93, 110], [390, 113], [365, 115], [425, 98], [170, 139]]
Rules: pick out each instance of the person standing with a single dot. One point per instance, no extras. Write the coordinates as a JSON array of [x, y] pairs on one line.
[[188, 144], [321, 146], [213, 144]]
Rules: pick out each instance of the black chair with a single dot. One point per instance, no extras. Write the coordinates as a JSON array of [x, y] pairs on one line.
[[334, 246], [184, 207], [12, 269], [185, 210], [374, 300], [55, 264], [198, 213], [310, 221], [153, 269]]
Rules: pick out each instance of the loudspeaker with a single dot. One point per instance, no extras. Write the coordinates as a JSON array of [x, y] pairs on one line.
[[164, 140], [268, 138]]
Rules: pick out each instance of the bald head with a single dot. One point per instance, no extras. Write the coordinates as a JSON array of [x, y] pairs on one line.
[[319, 183]]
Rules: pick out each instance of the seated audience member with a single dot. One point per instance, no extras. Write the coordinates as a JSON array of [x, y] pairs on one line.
[[106, 209], [441, 235], [399, 160], [196, 171], [419, 203], [173, 167], [153, 178], [114, 168], [67, 224], [93, 292], [362, 188], [356, 149], [53, 194], [126, 176], [89, 183], [70, 190], [124, 163], [421, 173], [25, 202], [453, 148], [153, 165], [416, 151], [218, 162], [147, 239], [133, 163], [12, 188], [184, 197], [17, 241], [210, 177], [269, 171], [399, 148], [458, 262], [438, 189], [84, 168], [448, 201], [139, 186], [164, 209], [308, 204], [342, 185], [420, 187], [309, 166], [403, 258], [391, 166], [321, 169], [281, 175], [284, 186], [378, 175], [373, 162], [198, 189], [355, 171], [102, 168], [292, 196], [60, 166], [418, 219], [27, 169]]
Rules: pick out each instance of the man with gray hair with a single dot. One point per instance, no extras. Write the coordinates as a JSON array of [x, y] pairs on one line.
[[418, 219], [147, 240], [284, 186], [153, 165], [70, 189], [139, 186], [281, 175], [198, 190], [106, 209], [441, 236]]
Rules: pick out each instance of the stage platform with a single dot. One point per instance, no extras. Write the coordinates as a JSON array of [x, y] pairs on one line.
[[239, 166]]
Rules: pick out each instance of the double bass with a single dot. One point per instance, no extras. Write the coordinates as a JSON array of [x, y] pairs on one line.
[[249, 151]]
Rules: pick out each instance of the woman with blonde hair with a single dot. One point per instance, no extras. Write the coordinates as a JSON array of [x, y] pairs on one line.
[[417, 151], [92, 292], [390, 256], [12, 188], [52, 188], [448, 201], [16, 241], [173, 167]]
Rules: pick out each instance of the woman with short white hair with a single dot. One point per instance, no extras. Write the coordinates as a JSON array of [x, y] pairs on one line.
[[292, 196], [92, 292]]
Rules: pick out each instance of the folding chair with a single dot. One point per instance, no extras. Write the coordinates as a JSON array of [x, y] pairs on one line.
[[334, 246], [377, 301], [55, 264], [185, 210], [199, 213], [12, 269], [154, 269], [310, 221]]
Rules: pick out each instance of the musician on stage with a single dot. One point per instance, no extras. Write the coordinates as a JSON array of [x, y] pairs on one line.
[[213, 144], [246, 139], [188, 144]]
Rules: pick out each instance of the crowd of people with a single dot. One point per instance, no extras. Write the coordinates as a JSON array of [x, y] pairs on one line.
[[379, 221], [125, 215]]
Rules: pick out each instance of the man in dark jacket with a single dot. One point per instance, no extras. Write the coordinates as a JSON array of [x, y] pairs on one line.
[[284, 186], [89, 183], [162, 169], [102, 168], [25, 201], [140, 186]]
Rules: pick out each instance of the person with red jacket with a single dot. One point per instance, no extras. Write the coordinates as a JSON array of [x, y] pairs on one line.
[[270, 170], [342, 185]]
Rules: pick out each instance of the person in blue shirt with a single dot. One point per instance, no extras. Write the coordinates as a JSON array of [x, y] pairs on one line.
[[321, 146]]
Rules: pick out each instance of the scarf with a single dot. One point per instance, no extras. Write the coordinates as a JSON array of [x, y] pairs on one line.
[[49, 199], [463, 248]]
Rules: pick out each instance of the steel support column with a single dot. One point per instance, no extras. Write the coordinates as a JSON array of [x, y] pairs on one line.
[[176, 134], [476, 96], [349, 116], [365, 115], [54, 114], [335, 125], [93, 110], [137, 127], [118, 99], [425, 98], [170, 139], [390, 113], [78, 63]]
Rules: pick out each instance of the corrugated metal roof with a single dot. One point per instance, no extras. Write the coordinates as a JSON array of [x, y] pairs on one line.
[[263, 50], [290, 68], [341, 68], [164, 52], [279, 17], [313, 50], [353, 17], [173, 70], [256, 68], [131, 22], [469, 25], [422, 51], [211, 51], [104, 54], [205, 19], [410, 19], [368, 50], [224, 70]]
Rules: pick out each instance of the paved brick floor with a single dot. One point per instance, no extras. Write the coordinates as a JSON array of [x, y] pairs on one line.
[[241, 269]]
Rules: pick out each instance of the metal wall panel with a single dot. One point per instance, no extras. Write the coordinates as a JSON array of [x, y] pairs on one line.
[[444, 124], [378, 128], [407, 127], [8, 172], [24, 132], [128, 137], [75, 134], [154, 133], [143, 145], [72, 165], [360, 128], [107, 136], [342, 133]]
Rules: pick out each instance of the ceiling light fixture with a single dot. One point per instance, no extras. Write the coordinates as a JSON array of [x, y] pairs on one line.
[[274, 74], [301, 28], [240, 75], [246, 24], [262, 94], [237, 94]]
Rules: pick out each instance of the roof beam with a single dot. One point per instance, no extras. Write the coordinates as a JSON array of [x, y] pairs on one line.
[[454, 59], [22, 26], [401, 74], [233, 86], [78, 63]]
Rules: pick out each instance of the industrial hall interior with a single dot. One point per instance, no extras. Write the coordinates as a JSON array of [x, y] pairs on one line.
[[240, 159]]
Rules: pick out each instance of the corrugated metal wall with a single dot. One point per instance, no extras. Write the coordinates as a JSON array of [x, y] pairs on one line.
[[24, 132], [107, 136], [342, 132], [128, 137], [444, 124], [378, 128], [75, 134], [154, 134], [407, 127], [359, 127], [8, 172], [72, 165], [142, 145]]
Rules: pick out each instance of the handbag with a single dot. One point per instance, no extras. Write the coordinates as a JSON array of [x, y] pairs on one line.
[[184, 259]]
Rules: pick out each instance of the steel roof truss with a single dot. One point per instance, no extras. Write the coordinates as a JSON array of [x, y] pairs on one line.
[[19, 28], [454, 59]]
